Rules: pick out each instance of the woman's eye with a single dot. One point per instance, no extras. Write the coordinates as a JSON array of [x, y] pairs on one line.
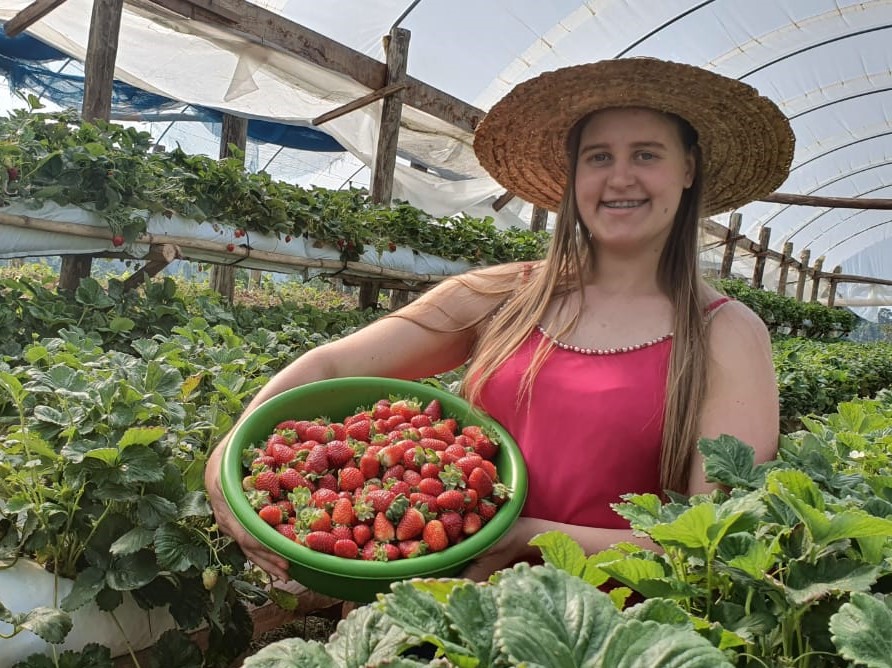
[[599, 157], [646, 155]]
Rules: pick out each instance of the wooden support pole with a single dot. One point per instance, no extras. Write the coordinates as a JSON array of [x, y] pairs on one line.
[[397, 48], [804, 257], [730, 245], [831, 298], [784, 268], [29, 16], [816, 278], [502, 200], [233, 134], [159, 257], [359, 103], [99, 76], [759, 269], [540, 219], [831, 202]]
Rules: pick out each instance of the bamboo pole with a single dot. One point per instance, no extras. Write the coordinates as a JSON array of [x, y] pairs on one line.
[[831, 298], [539, 219], [185, 244]]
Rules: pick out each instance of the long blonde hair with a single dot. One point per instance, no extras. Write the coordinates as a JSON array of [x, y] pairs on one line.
[[570, 257]]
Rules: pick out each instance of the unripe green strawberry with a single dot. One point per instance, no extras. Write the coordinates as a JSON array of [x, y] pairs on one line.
[[209, 578]]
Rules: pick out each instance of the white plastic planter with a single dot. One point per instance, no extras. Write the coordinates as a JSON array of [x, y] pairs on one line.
[[27, 585]]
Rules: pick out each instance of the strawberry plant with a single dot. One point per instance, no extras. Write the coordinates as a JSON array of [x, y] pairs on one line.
[[489, 625]]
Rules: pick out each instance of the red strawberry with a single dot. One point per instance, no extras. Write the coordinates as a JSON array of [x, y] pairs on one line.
[[434, 535], [362, 534], [369, 465], [380, 499], [318, 520], [487, 510], [469, 462], [230, 247], [320, 541], [451, 424], [452, 524], [394, 473], [339, 453], [381, 409], [287, 425], [391, 552], [383, 529], [268, 481], [371, 552], [479, 481], [286, 507], [453, 453], [471, 524], [272, 515], [491, 469], [435, 444], [391, 455], [430, 470], [411, 548], [414, 457], [338, 430], [400, 487], [412, 478], [360, 430], [345, 548], [443, 432], [317, 460], [486, 448], [432, 486], [471, 499], [433, 410], [418, 499], [289, 479], [411, 524], [341, 533], [328, 481], [324, 497], [421, 421], [451, 499], [408, 409], [343, 513], [350, 479], [318, 432], [286, 530]]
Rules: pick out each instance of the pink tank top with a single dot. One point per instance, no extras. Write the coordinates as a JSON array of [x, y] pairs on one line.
[[593, 430]]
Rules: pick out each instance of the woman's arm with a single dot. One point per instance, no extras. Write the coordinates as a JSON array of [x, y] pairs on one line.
[[741, 391]]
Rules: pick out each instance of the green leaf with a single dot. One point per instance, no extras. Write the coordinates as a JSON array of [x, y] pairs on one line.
[[50, 624], [87, 585], [92, 655], [133, 541], [365, 637], [139, 463], [177, 549], [107, 455], [550, 618], [174, 650], [690, 530], [473, 611], [140, 436], [731, 462], [419, 614], [643, 511], [154, 510], [637, 644], [806, 583], [862, 630], [561, 551], [132, 571], [659, 610], [291, 653], [193, 504], [120, 325]]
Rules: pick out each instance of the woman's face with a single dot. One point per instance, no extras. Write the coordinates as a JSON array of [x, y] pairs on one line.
[[631, 170]]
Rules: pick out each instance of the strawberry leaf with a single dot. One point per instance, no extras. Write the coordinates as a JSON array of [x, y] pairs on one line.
[[806, 583], [87, 585], [648, 644], [862, 630], [473, 610], [139, 463], [177, 549], [174, 650], [50, 624], [154, 510], [140, 436], [132, 571], [731, 462], [366, 637], [419, 614], [291, 653]]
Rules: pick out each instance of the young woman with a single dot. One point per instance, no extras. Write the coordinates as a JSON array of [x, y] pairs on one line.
[[608, 360]]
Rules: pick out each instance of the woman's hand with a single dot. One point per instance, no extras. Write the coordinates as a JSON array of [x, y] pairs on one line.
[[269, 561], [513, 546]]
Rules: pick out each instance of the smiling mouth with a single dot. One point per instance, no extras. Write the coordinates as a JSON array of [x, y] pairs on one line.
[[624, 204]]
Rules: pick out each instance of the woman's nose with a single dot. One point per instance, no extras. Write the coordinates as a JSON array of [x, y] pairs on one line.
[[621, 173]]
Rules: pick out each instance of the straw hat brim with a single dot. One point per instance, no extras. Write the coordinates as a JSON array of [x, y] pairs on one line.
[[746, 141]]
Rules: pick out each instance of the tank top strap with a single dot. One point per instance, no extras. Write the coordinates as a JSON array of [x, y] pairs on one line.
[[714, 306]]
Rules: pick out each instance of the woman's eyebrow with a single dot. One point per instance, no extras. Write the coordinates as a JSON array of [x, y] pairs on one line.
[[600, 146]]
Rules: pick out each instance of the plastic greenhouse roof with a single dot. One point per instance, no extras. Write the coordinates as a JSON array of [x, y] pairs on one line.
[[826, 63]]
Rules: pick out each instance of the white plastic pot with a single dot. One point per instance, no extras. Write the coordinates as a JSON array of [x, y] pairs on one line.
[[27, 585]]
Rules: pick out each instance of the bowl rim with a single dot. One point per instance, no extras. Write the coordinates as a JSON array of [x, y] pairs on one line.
[[232, 472]]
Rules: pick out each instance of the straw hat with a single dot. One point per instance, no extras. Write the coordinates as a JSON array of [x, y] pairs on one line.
[[746, 140]]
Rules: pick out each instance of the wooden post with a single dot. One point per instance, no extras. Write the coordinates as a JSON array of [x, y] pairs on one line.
[[159, 257], [784, 268], [831, 298], [730, 245], [233, 133], [539, 220], [816, 278], [759, 269], [99, 75], [804, 257], [397, 47]]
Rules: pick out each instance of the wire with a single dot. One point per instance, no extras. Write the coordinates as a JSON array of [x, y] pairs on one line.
[[404, 14]]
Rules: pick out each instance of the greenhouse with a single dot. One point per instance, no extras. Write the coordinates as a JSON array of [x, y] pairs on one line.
[[423, 333]]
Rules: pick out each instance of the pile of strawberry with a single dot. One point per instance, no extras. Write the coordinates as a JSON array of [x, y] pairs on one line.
[[391, 482]]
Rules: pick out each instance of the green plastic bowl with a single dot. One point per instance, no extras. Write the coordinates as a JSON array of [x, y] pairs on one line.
[[355, 579]]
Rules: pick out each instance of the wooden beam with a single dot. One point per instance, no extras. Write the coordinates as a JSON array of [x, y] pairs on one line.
[[784, 268], [539, 220], [831, 298], [360, 102], [502, 200], [158, 257], [233, 134], [816, 278], [207, 10], [831, 202], [391, 112], [804, 257], [759, 268], [730, 245], [29, 16], [272, 30], [99, 75]]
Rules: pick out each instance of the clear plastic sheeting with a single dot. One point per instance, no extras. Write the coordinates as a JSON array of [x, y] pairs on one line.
[[825, 62]]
